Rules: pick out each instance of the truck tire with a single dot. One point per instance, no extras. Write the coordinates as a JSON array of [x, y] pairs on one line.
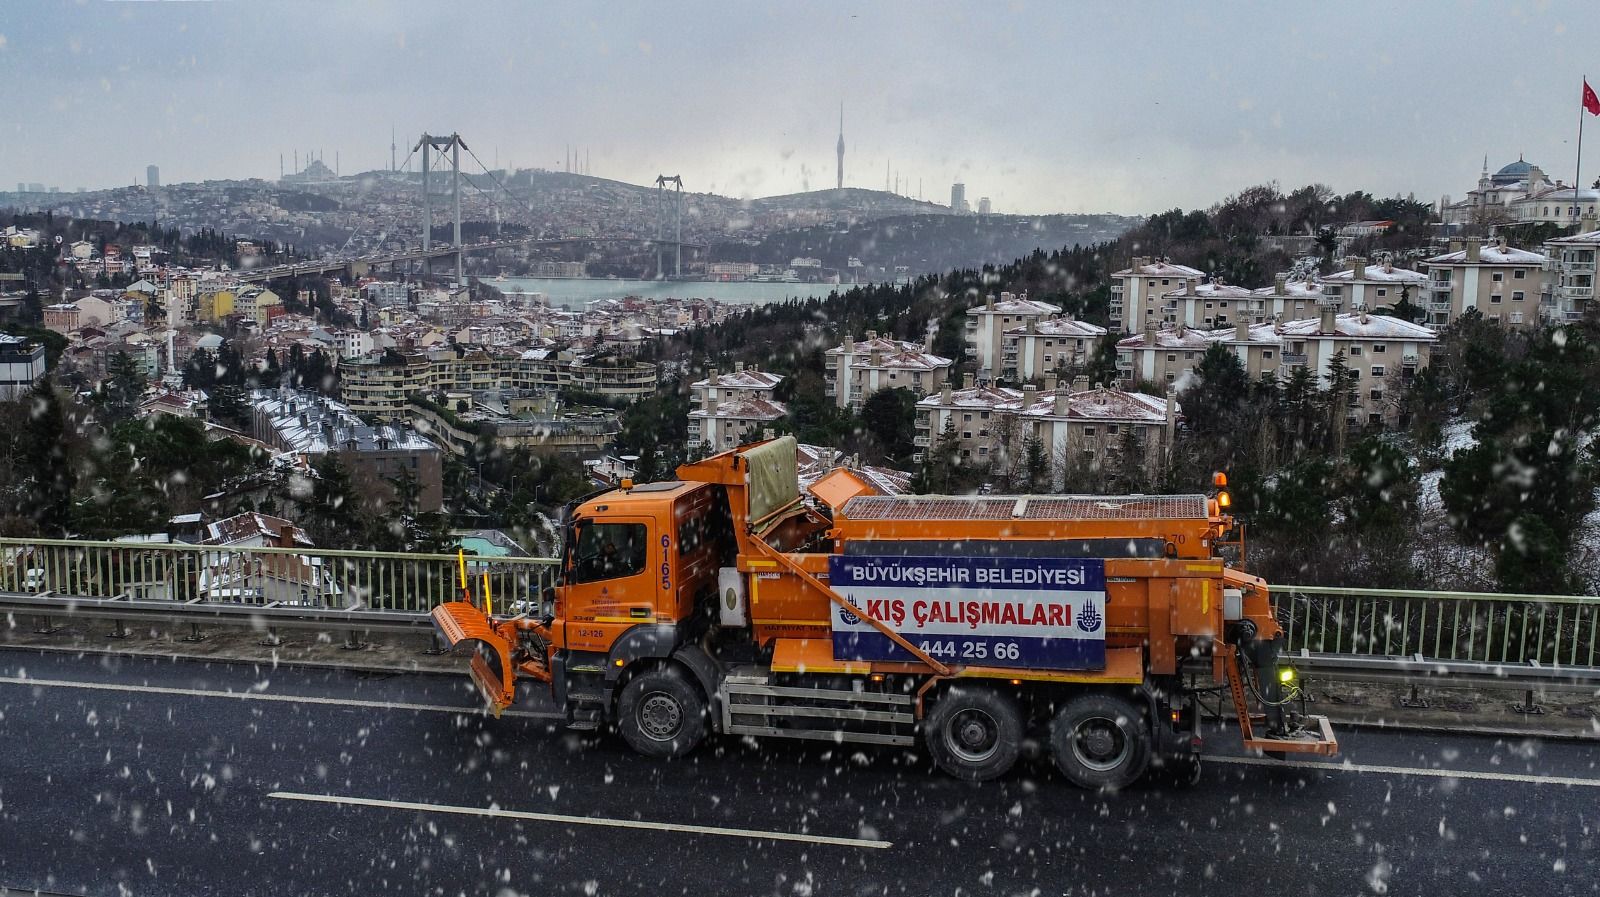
[[1100, 742], [973, 733], [660, 713]]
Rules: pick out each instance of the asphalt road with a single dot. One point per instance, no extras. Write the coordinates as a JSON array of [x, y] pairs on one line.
[[137, 777]]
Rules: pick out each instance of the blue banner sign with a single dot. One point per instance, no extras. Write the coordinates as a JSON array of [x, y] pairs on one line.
[[1038, 613]]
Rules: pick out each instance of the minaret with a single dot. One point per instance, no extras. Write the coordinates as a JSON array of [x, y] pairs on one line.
[[841, 145]]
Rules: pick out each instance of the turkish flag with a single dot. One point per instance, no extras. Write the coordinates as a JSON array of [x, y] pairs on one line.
[[1590, 101]]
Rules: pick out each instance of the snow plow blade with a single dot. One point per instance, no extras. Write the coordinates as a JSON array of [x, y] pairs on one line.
[[461, 621]]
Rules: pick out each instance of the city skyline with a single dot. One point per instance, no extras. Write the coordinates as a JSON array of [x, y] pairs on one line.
[[1041, 115]]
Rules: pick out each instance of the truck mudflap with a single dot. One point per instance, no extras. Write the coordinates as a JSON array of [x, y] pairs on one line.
[[491, 669]]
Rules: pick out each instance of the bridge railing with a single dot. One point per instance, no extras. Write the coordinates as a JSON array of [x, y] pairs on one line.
[[1476, 627], [298, 577]]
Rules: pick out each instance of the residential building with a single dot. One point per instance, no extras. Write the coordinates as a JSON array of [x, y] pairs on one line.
[[1570, 280], [245, 577], [312, 425], [1137, 290], [63, 317], [1290, 298], [987, 325], [524, 419], [1048, 346], [1501, 282], [21, 238], [1362, 286], [21, 363], [258, 304], [379, 385], [1382, 352], [1209, 304], [719, 424], [855, 370], [743, 382], [1079, 425], [1165, 355], [386, 294]]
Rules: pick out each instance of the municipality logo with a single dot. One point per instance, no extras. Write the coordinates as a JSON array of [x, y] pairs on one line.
[[1089, 618], [845, 616]]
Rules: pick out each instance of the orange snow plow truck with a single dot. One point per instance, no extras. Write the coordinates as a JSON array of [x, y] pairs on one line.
[[725, 601]]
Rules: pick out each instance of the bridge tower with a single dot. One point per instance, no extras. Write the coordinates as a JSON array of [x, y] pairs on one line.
[[669, 209], [453, 145]]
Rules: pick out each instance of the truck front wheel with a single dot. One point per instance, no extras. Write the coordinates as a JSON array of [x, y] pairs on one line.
[[974, 733], [1100, 742], [660, 713]]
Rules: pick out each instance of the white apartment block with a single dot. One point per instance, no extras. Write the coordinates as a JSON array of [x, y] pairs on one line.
[[1136, 291], [988, 323], [1209, 304], [855, 370], [1049, 346], [991, 425], [1503, 283], [1363, 286], [1570, 275], [722, 424], [743, 382]]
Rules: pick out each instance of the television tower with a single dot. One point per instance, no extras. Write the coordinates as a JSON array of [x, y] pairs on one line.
[[841, 145]]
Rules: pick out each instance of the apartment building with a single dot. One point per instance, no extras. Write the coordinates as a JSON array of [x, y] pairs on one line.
[[1363, 286], [1078, 425], [1384, 353], [720, 424], [1570, 278], [1289, 298], [379, 385], [740, 383], [988, 323], [1048, 346], [1136, 291], [855, 370], [312, 425], [1209, 305], [1503, 283], [21, 363], [1165, 354]]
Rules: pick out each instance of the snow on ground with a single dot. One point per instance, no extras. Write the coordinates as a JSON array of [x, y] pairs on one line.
[[1456, 436]]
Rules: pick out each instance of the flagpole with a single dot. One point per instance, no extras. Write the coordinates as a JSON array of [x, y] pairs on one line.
[[1577, 175]]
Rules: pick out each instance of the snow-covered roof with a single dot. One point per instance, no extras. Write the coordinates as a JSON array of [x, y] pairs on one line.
[[742, 379], [744, 409], [1161, 269], [1069, 327], [1022, 306], [1380, 273], [1211, 291], [1493, 254], [1179, 337], [1099, 403], [1354, 325], [250, 525], [1585, 238]]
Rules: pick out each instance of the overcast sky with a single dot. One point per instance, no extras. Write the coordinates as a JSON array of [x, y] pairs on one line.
[[1043, 106]]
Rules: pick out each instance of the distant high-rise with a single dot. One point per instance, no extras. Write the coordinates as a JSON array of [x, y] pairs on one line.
[[841, 146], [152, 176], [984, 206], [958, 197]]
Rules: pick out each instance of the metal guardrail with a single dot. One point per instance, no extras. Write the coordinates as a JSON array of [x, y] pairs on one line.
[[1472, 627], [1417, 671], [184, 574]]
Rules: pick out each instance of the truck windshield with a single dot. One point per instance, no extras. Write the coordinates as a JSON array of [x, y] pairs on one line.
[[609, 551]]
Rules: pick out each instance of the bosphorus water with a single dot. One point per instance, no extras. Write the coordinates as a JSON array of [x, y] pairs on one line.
[[574, 292]]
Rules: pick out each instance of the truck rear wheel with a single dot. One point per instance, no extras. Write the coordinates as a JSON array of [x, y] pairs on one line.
[[660, 713], [973, 733], [1100, 742]]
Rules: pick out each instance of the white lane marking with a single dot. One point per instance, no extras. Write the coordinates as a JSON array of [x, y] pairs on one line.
[[754, 834], [264, 696], [1411, 771]]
